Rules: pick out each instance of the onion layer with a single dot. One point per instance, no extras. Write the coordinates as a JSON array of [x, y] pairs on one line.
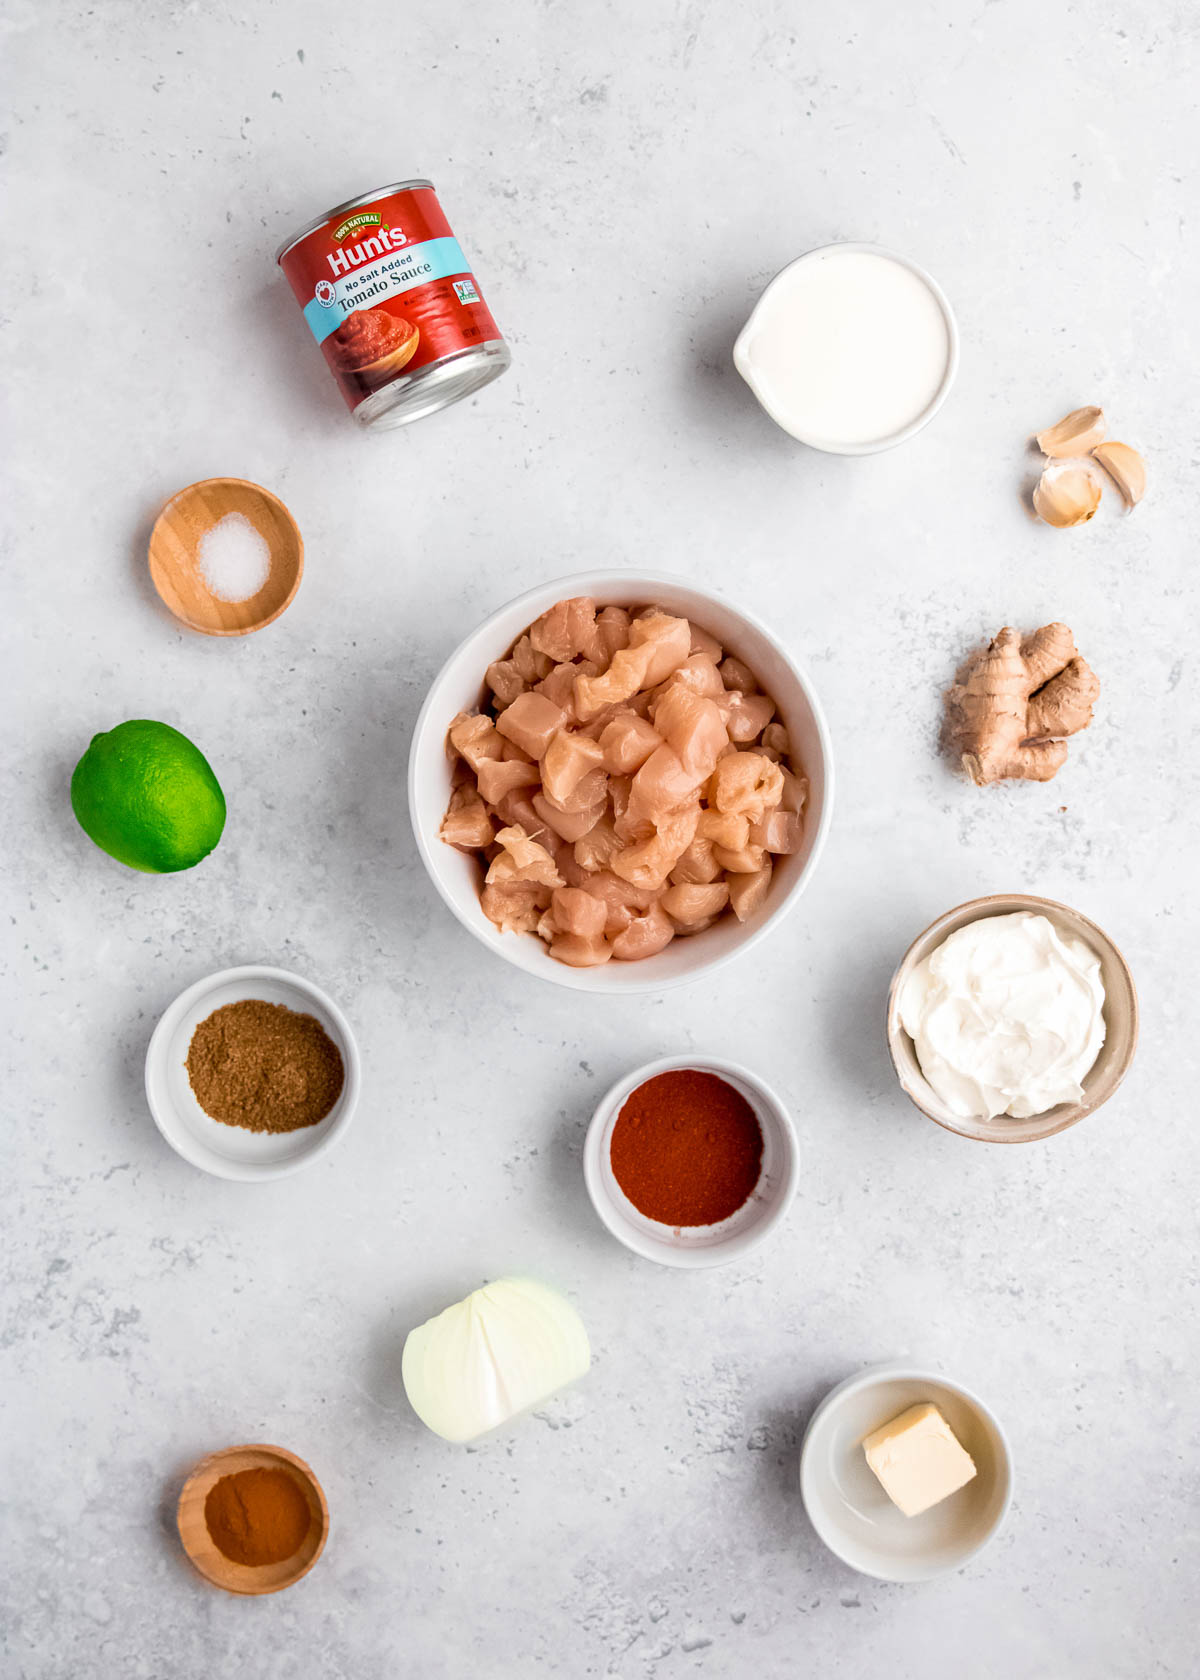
[[502, 1350]]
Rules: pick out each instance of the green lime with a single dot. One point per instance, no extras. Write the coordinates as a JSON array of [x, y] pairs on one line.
[[148, 797]]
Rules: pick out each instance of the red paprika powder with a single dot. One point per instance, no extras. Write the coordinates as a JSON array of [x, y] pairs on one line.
[[687, 1148]]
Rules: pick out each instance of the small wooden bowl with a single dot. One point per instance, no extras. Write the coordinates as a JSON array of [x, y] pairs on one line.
[[198, 1543], [175, 556], [1109, 1068]]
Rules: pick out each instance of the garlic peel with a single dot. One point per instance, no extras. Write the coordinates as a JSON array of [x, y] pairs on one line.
[[1075, 434], [1125, 467], [1068, 493]]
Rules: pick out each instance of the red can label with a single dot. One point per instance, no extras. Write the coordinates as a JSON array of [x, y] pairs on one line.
[[386, 290]]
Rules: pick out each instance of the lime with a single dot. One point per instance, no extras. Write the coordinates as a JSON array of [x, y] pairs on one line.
[[148, 797]]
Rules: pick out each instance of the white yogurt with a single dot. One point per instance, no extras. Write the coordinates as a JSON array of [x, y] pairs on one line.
[[1007, 1016], [849, 349]]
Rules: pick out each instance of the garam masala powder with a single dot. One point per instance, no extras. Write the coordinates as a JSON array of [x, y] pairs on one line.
[[265, 1067]]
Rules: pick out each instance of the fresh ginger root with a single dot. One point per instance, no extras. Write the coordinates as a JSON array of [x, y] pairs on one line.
[[1016, 703]]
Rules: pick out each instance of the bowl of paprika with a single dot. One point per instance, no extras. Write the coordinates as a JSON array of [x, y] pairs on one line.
[[691, 1161]]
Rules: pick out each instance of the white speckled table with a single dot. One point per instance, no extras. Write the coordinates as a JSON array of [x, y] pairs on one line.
[[626, 178]]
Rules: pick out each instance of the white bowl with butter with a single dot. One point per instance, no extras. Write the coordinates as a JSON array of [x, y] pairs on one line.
[[851, 349], [1071, 977], [847, 1503]]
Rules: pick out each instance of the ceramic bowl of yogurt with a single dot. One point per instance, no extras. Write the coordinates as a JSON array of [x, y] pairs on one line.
[[852, 349], [1020, 1015]]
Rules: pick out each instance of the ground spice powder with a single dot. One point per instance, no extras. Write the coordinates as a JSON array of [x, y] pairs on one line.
[[265, 1067], [257, 1516], [687, 1148]]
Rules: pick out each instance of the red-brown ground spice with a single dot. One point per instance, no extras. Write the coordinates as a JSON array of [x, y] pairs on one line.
[[687, 1148], [257, 1516]]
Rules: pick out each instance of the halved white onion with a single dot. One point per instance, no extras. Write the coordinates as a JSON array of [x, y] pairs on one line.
[[502, 1350]]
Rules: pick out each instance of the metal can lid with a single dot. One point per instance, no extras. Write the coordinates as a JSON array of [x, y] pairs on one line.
[[350, 204]]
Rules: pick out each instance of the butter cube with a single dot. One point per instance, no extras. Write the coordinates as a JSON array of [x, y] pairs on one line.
[[919, 1459]]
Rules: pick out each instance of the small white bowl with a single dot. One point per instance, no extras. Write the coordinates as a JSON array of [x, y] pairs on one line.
[[459, 687], [876, 446], [846, 1503], [700, 1245], [232, 1151]]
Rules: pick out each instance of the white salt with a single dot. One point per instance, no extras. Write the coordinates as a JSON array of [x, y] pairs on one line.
[[234, 558]]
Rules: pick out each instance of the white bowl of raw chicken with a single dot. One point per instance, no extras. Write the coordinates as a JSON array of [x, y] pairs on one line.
[[459, 687]]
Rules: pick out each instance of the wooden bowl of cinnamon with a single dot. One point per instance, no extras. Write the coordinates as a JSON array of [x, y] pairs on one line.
[[253, 1519]]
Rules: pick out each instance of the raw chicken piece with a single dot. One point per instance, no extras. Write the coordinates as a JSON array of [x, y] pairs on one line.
[[522, 859], [724, 828], [650, 862], [697, 866], [622, 900], [779, 831], [530, 721], [669, 640], [689, 906], [708, 645], [620, 791], [736, 675], [627, 742], [700, 675], [621, 681], [566, 761], [691, 725], [505, 682], [567, 630], [591, 790], [500, 776], [529, 663], [516, 810], [747, 861], [597, 848], [662, 784], [466, 824], [568, 825], [645, 936], [795, 791], [575, 911], [559, 686], [580, 953], [745, 783], [613, 625], [575, 928], [746, 892], [775, 743], [747, 715], [514, 906], [474, 738]]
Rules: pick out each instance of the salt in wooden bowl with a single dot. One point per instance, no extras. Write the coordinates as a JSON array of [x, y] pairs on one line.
[[175, 556]]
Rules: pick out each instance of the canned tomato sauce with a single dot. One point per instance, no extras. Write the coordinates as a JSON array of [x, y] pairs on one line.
[[392, 302]]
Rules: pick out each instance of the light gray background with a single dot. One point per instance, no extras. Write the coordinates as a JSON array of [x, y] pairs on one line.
[[625, 177]]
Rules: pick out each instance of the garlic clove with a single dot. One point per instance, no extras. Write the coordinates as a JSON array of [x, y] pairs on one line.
[[1068, 493], [1126, 469], [1075, 434]]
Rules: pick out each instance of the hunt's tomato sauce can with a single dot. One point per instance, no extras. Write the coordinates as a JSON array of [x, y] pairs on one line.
[[391, 300]]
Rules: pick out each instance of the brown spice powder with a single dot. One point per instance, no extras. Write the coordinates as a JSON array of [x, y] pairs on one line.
[[265, 1067], [257, 1517]]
